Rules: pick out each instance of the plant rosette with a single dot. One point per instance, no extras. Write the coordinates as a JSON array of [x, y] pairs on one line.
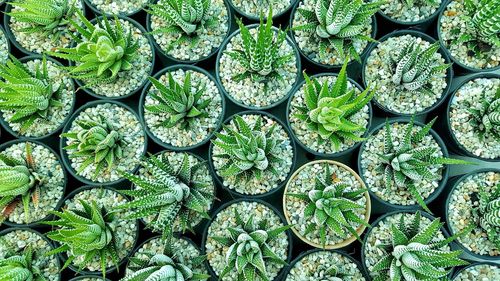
[[478, 271], [4, 46], [411, 12], [311, 140], [463, 30], [117, 7], [264, 158], [470, 117], [319, 264], [182, 251], [56, 106], [465, 208], [257, 93], [55, 32], [252, 9], [329, 210], [235, 215], [101, 140], [45, 178], [176, 44], [197, 114], [16, 241], [411, 71]]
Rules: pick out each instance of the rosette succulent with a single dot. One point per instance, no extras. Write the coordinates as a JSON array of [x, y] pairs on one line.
[[329, 108], [486, 117], [489, 213], [20, 266], [413, 254]]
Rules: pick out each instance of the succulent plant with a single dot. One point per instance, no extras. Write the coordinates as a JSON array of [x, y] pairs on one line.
[[406, 164], [187, 19], [331, 207], [249, 248], [489, 213], [96, 141], [337, 24], [413, 67], [249, 150], [84, 232], [486, 117], [413, 254], [103, 50], [48, 16], [260, 55], [329, 108], [168, 194], [169, 265], [19, 180], [417, 3], [29, 95], [184, 104], [334, 273], [20, 266]]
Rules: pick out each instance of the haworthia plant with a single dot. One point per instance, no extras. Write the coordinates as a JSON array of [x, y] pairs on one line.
[[331, 207], [29, 94], [418, 3], [248, 248], [329, 108], [259, 56], [338, 24], [412, 253], [21, 266], [488, 212], [168, 194], [486, 116]]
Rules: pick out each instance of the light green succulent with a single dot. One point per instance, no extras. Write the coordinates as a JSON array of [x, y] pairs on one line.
[[488, 213], [486, 117], [21, 266]]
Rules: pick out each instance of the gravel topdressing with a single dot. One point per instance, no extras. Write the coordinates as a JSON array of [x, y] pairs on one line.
[[256, 7], [480, 272], [4, 47], [420, 10], [119, 6]]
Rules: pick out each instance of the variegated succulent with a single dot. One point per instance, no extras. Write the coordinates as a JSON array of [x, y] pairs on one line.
[[488, 213], [21, 266], [486, 116]]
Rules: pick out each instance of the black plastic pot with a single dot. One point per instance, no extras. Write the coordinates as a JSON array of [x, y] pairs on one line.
[[280, 275], [37, 224], [67, 127], [144, 33], [449, 72], [87, 276], [306, 148], [472, 265], [167, 59], [453, 183], [380, 206], [251, 107], [111, 269], [461, 66], [29, 229], [270, 193], [304, 254], [253, 18], [444, 124], [146, 90], [6, 125], [423, 24], [10, 34], [98, 12]]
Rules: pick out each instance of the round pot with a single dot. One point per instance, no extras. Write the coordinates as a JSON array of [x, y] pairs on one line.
[[29, 229], [449, 72], [462, 67], [280, 275], [360, 229], [67, 127], [37, 224], [448, 135], [167, 59], [143, 99], [380, 206], [251, 107], [86, 276], [10, 34], [347, 151], [6, 125], [253, 18], [98, 12], [422, 24], [270, 193], [457, 272], [467, 254]]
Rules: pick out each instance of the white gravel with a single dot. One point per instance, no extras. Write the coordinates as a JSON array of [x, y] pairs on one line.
[[256, 7], [480, 272], [4, 47], [51, 191], [466, 97], [268, 181], [252, 93], [119, 6], [17, 240], [374, 176], [216, 253], [311, 138], [420, 10], [379, 71], [209, 38], [202, 128], [127, 125], [460, 211], [56, 116]]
